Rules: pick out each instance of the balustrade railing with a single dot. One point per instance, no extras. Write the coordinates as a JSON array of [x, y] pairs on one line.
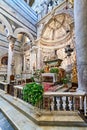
[[65, 101], [61, 101]]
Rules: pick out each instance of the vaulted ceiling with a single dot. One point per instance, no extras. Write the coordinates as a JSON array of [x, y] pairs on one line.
[[58, 28]]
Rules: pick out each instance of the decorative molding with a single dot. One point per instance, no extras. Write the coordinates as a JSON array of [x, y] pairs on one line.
[[7, 24]]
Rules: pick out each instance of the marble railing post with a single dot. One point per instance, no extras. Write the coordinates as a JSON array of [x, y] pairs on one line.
[[65, 101], [80, 15], [10, 56]]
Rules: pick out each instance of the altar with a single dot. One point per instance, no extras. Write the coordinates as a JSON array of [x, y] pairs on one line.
[[49, 77]]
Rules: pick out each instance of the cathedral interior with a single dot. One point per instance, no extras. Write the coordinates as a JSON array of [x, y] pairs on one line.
[[43, 69]]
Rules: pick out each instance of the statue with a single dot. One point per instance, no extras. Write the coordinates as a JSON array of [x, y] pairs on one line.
[[54, 3], [46, 68], [44, 8], [40, 29], [74, 74], [49, 7]]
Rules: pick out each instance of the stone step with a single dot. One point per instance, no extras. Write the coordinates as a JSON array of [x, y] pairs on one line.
[[57, 118], [18, 120], [82, 114]]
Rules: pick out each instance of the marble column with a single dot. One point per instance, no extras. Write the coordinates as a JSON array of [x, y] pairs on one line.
[[80, 15], [38, 56], [10, 56]]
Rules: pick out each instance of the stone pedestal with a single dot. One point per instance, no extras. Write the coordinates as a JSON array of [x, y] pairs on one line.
[[80, 13]]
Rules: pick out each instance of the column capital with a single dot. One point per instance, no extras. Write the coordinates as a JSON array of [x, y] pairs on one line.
[[11, 39]]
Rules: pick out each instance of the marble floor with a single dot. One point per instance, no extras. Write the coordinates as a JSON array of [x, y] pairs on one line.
[[4, 123]]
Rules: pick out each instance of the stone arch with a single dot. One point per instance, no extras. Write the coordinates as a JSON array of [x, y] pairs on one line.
[[26, 31], [19, 30], [7, 24]]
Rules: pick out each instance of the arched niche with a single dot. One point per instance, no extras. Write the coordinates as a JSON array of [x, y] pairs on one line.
[[56, 34]]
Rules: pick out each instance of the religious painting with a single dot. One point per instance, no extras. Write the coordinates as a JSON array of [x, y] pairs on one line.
[[4, 60]]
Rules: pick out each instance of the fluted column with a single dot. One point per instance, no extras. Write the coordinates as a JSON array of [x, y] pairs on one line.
[[10, 56], [80, 13]]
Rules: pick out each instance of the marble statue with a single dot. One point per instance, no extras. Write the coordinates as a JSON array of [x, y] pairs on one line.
[[49, 7], [44, 8], [54, 3]]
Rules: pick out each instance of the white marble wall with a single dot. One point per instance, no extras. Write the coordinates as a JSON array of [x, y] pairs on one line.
[[18, 63]]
